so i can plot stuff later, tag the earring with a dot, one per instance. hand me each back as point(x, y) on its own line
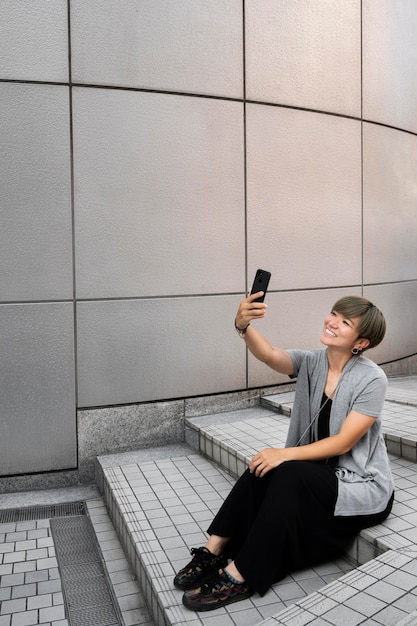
point(356, 350)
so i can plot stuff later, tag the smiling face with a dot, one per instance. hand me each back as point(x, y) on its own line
point(341, 333)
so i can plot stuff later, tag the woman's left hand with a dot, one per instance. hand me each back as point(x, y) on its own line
point(266, 460)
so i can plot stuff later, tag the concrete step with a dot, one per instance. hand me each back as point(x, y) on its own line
point(162, 500)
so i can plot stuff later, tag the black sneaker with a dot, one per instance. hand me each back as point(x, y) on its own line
point(201, 566)
point(215, 593)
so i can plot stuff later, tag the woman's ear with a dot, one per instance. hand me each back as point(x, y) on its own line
point(362, 343)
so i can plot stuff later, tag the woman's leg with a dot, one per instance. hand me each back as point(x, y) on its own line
point(271, 519)
point(216, 545)
point(212, 556)
point(291, 525)
point(238, 512)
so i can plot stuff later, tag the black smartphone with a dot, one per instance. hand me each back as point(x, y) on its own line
point(260, 283)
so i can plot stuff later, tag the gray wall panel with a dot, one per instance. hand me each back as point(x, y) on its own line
point(159, 197)
point(389, 204)
point(34, 40)
point(304, 197)
point(398, 303)
point(139, 350)
point(37, 400)
point(188, 46)
point(305, 54)
point(294, 320)
point(35, 208)
point(389, 62)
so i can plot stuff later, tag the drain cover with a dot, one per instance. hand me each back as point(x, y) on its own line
point(41, 512)
point(87, 593)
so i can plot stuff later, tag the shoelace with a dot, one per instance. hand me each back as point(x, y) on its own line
point(199, 556)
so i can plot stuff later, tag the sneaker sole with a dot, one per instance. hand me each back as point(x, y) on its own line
point(196, 606)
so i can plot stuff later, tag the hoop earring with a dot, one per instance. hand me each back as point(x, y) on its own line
point(356, 351)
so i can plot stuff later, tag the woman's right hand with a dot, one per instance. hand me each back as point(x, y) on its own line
point(250, 310)
point(276, 358)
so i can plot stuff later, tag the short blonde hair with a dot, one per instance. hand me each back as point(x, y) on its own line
point(372, 324)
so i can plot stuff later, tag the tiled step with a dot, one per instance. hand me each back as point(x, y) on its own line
point(231, 439)
point(399, 416)
point(161, 502)
point(280, 402)
point(378, 593)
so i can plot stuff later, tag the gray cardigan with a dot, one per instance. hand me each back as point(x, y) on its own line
point(364, 474)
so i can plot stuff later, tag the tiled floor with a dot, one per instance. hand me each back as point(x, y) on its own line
point(30, 586)
point(30, 583)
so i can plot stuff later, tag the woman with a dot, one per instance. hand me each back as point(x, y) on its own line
point(302, 504)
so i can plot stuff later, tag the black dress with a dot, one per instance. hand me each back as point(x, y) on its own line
point(285, 521)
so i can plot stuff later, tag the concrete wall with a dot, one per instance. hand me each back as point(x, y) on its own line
point(154, 153)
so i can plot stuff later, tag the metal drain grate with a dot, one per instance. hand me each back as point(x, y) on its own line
point(88, 595)
point(8, 516)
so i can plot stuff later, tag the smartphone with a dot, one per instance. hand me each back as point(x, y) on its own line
point(260, 283)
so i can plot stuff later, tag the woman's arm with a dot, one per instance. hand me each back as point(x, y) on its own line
point(258, 345)
point(355, 426)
